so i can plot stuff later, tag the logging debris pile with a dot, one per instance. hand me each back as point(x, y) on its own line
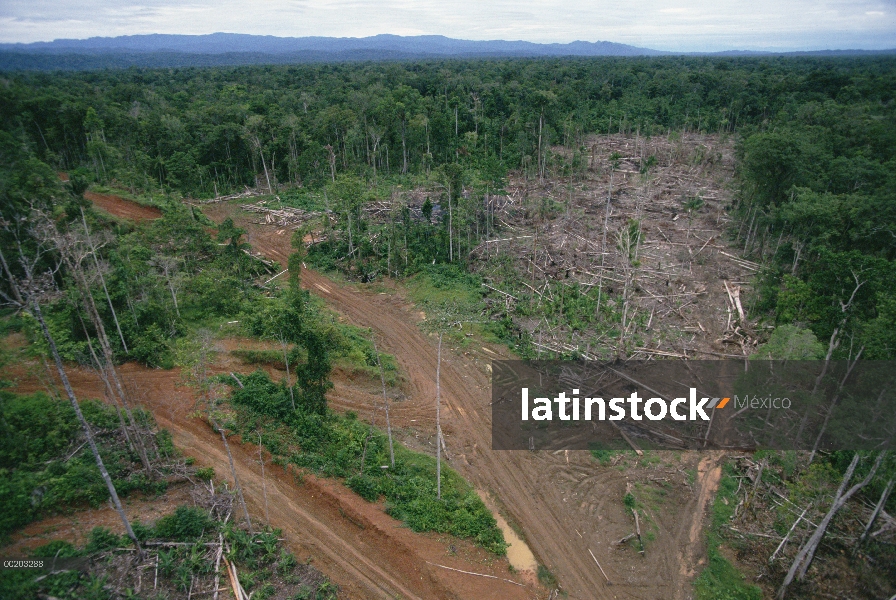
point(658, 257)
point(284, 216)
point(777, 516)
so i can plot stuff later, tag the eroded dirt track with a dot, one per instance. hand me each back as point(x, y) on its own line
point(366, 552)
point(125, 210)
point(565, 505)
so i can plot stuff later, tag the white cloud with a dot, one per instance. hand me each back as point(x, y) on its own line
point(664, 24)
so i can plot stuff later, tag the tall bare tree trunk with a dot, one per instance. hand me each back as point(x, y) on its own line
point(109, 392)
point(876, 513)
point(73, 264)
point(15, 289)
point(404, 149)
point(264, 482)
point(833, 405)
point(236, 481)
point(265, 167)
point(603, 247)
point(112, 373)
point(292, 396)
point(386, 404)
point(807, 553)
point(539, 162)
point(38, 314)
point(450, 229)
point(96, 263)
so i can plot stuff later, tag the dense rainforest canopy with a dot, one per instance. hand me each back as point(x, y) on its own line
point(816, 139)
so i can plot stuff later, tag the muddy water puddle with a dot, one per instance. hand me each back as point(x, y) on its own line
point(518, 553)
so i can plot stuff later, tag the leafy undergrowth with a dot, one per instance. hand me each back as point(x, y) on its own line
point(349, 347)
point(341, 446)
point(180, 554)
point(721, 580)
point(46, 467)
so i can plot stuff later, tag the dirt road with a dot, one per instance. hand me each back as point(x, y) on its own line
point(125, 210)
point(366, 552)
point(564, 504)
point(567, 507)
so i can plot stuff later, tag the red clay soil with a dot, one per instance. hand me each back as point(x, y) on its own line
point(125, 209)
point(118, 206)
point(565, 505)
point(363, 550)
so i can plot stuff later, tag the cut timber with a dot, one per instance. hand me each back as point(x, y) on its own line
point(284, 216)
point(472, 573)
point(787, 537)
point(638, 530)
point(218, 556)
point(598, 565)
point(734, 296)
point(275, 276)
point(628, 440)
point(500, 292)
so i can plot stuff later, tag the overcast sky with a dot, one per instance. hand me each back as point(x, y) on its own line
point(660, 24)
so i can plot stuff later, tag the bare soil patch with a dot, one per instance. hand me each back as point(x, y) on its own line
point(124, 209)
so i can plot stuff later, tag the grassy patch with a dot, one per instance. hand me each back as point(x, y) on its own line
point(721, 580)
point(272, 358)
point(143, 198)
point(545, 577)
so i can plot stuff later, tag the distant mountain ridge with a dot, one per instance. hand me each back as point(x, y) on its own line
point(222, 43)
point(227, 49)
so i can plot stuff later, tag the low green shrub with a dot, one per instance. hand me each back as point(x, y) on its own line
point(331, 445)
point(45, 466)
point(102, 539)
point(186, 524)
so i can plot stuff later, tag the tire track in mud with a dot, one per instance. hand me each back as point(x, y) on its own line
point(363, 550)
point(512, 477)
point(366, 552)
point(525, 483)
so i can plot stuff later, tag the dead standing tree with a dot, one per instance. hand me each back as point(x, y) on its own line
point(438, 423)
point(627, 241)
point(614, 164)
point(379, 365)
point(833, 344)
point(31, 290)
point(99, 272)
point(168, 267)
point(236, 481)
point(195, 362)
point(73, 250)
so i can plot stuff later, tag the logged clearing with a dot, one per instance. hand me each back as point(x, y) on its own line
point(565, 504)
point(567, 507)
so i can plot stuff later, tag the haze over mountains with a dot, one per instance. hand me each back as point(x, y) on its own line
point(164, 50)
